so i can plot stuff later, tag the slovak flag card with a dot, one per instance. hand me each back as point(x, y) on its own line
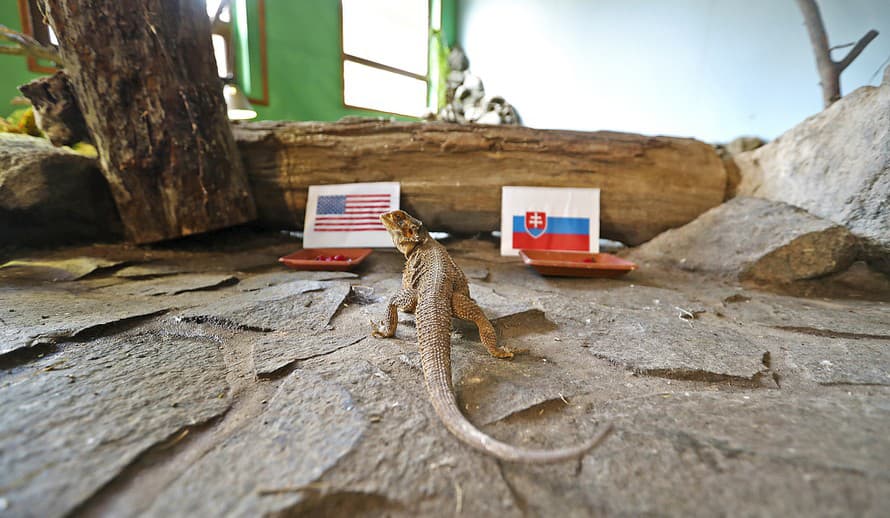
point(348, 215)
point(549, 218)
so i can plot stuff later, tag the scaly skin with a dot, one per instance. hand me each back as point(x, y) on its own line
point(435, 289)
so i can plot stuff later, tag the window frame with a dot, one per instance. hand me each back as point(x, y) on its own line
point(39, 31)
point(226, 31)
point(381, 66)
point(32, 25)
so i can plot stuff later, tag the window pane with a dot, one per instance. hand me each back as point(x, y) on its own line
point(212, 5)
point(375, 89)
point(391, 32)
point(222, 56)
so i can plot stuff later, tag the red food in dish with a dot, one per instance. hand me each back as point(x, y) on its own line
point(329, 258)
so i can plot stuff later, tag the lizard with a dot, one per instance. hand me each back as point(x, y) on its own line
point(435, 289)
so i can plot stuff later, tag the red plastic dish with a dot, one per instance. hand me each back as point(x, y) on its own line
point(305, 259)
point(576, 264)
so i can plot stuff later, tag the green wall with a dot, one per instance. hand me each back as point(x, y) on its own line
point(303, 52)
point(13, 69)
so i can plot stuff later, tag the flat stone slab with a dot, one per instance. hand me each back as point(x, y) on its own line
point(414, 466)
point(38, 316)
point(54, 270)
point(812, 317)
point(171, 285)
point(265, 309)
point(267, 280)
point(267, 467)
point(702, 453)
point(755, 239)
point(666, 345)
point(74, 420)
point(722, 396)
point(841, 361)
point(306, 333)
point(660, 334)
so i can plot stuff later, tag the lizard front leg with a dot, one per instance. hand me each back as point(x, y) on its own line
point(465, 308)
point(404, 299)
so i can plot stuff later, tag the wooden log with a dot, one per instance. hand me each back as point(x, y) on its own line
point(451, 175)
point(56, 110)
point(145, 79)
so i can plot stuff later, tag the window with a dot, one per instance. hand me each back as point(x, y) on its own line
point(225, 36)
point(34, 25)
point(220, 13)
point(241, 25)
point(385, 45)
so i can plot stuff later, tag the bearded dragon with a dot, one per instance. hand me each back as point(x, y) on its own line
point(435, 289)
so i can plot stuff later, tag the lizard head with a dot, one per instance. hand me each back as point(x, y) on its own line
point(407, 232)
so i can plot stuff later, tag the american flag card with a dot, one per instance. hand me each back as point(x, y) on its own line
point(549, 218)
point(348, 215)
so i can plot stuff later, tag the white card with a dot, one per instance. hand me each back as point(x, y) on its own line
point(549, 218)
point(348, 215)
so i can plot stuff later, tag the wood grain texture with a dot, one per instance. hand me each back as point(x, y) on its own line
point(145, 79)
point(451, 175)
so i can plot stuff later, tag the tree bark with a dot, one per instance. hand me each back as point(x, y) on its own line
point(829, 70)
point(145, 79)
point(451, 175)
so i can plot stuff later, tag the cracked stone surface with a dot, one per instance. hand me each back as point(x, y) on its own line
point(266, 309)
point(171, 285)
point(263, 468)
point(267, 396)
point(305, 333)
point(54, 270)
point(49, 315)
point(841, 361)
point(72, 421)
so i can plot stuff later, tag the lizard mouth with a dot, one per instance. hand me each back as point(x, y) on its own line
point(390, 220)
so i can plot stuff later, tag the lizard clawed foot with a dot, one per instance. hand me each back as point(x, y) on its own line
point(505, 352)
point(379, 330)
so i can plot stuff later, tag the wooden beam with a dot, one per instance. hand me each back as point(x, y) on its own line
point(451, 175)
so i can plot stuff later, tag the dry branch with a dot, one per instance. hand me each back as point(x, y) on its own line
point(26, 46)
point(829, 70)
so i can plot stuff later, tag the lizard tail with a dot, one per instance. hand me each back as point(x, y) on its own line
point(435, 362)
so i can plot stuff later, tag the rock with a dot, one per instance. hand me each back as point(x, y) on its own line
point(304, 333)
point(267, 466)
point(44, 316)
point(835, 165)
point(267, 280)
point(266, 309)
point(794, 454)
point(73, 421)
point(832, 360)
point(171, 285)
point(755, 239)
point(739, 145)
point(51, 195)
point(54, 270)
point(668, 343)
